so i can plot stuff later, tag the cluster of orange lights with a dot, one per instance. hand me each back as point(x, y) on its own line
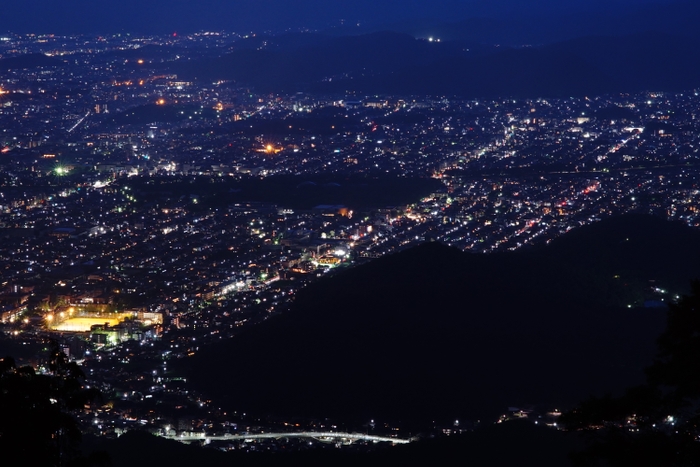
point(129, 82)
point(160, 101)
point(270, 149)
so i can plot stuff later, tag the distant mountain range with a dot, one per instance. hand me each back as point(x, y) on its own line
point(651, 47)
point(398, 64)
point(390, 63)
point(434, 333)
point(540, 27)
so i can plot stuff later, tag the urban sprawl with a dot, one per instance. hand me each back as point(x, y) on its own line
point(126, 238)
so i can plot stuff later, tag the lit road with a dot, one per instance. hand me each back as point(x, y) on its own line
point(79, 122)
point(318, 435)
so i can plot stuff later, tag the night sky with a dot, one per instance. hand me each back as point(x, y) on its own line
point(160, 16)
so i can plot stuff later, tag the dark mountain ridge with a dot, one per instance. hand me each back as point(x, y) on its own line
point(393, 63)
point(435, 333)
point(539, 27)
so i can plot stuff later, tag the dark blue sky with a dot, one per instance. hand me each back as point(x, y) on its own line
point(103, 16)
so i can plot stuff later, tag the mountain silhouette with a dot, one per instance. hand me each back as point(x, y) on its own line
point(398, 64)
point(435, 332)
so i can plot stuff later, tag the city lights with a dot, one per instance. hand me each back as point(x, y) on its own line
point(150, 212)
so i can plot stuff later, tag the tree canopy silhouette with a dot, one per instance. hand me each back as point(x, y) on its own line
point(36, 425)
point(656, 424)
point(675, 368)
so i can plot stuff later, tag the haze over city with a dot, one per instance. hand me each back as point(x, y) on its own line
point(160, 16)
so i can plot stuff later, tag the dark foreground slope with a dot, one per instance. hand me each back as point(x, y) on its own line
point(513, 443)
point(433, 332)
